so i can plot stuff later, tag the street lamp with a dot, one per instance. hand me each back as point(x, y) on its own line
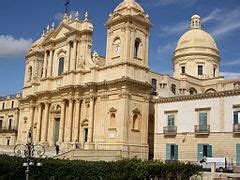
point(29, 151)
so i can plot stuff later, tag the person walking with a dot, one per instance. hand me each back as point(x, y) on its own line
point(57, 149)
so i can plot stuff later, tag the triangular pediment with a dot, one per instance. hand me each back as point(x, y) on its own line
point(60, 32)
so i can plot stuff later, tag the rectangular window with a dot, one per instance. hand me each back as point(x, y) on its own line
point(214, 72)
point(236, 117)
point(200, 70)
point(10, 124)
point(204, 150)
point(154, 84)
point(171, 120)
point(8, 141)
point(60, 66)
point(85, 135)
point(3, 106)
point(202, 120)
point(1, 123)
point(171, 152)
point(183, 70)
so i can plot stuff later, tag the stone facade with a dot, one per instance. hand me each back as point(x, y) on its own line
point(74, 96)
point(9, 117)
point(114, 107)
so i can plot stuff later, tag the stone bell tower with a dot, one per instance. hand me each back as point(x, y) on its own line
point(128, 34)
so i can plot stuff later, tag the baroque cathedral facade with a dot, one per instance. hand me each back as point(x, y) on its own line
point(114, 107)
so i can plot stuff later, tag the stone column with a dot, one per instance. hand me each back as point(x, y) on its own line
point(73, 56)
point(62, 122)
point(39, 122)
point(91, 120)
point(45, 123)
point(76, 121)
point(16, 119)
point(69, 121)
point(49, 72)
point(45, 64)
point(68, 57)
point(31, 114)
point(125, 119)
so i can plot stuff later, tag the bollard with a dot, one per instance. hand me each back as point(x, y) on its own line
point(213, 167)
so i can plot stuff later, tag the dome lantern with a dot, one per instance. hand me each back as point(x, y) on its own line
point(195, 22)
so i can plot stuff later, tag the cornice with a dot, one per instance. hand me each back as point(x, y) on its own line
point(134, 18)
point(125, 63)
point(198, 96)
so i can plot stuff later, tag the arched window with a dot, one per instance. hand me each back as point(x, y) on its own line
point(10, 124)
point(85, 130)
point(154, 84)
point(192, 91)
point(60, 66)
point(173, 88)
point(137, 47)
point(30, 73)
point(113, 120)
point(211, 90)
point(135, 121)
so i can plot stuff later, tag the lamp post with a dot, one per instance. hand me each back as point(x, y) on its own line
point(29, 151)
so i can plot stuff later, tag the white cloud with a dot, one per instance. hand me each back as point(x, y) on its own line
point(228, 22)
point(225, 22)
point(158, 3)
point(230, 75)
point(214, 15)
point(231, 63)
point(174, 29)
point(11, 47)
point(167, 49)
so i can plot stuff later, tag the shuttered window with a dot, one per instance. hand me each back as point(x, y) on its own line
point(204, 150)
point(171, 120)
point(202, 118)
point(171, 152)
point(238, 154)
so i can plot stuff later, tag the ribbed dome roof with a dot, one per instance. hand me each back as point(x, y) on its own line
point(132, 4)
point(196, 37)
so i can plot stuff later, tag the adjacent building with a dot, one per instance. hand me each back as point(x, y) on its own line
point(196, 111)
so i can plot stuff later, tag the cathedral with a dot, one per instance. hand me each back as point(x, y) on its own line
point(113, 107)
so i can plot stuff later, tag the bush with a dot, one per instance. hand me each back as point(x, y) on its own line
point(52, 169)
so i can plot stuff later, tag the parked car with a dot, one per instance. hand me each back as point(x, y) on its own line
point(222, 163)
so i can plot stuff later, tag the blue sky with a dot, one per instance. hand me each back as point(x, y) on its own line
point(22, 23)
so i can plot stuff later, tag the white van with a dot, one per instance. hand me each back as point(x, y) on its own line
point(222, 164)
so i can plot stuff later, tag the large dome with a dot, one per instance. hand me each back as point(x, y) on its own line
point(126, 4)
point(196, 37)
point(196, 53)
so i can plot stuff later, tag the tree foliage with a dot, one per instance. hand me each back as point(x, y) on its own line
point(11, 168)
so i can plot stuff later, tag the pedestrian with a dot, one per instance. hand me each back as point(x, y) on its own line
point(57, 149)
point(76, 144)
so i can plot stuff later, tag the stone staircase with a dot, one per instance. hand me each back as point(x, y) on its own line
point(92, 155)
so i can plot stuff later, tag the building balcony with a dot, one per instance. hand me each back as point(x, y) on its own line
point(170, 130)
point(202, 129)
point(236, 128)
point(8, 130)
